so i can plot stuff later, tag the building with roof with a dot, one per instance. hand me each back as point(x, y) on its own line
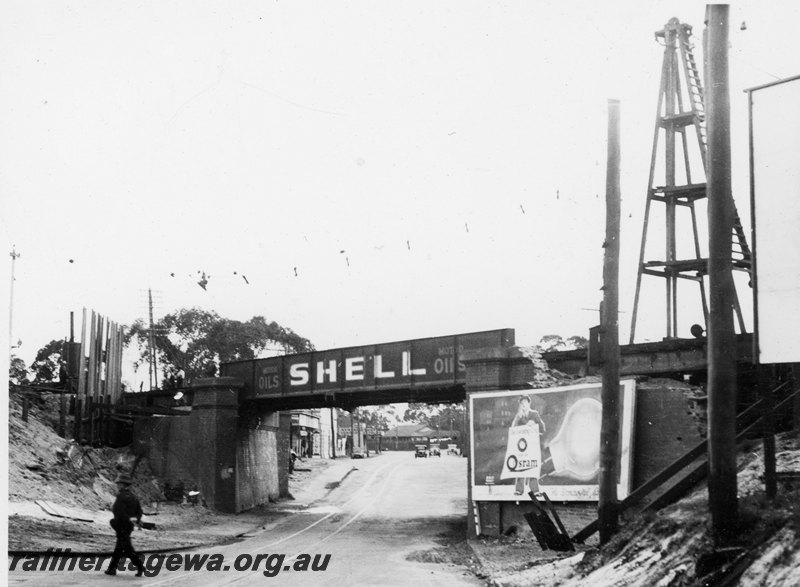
point(406, 436)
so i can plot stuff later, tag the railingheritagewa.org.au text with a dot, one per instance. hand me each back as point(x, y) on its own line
point(269, 564)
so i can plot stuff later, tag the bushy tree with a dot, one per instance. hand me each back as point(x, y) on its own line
point(443, 418)
point(48, 362)
point(555, 342)
point(195, 340)
point(577, 342)
point(17, 371)
point(377, 418)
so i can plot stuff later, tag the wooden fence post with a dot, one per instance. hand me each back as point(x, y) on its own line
point(78, 419)
point(62, 417)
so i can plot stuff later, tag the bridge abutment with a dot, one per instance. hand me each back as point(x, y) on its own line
point(214, 422)
point(235, 453)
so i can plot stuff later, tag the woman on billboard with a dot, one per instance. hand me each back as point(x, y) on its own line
point(530, 418)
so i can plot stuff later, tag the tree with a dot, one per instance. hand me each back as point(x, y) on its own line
point(555, 342)
point(17, 371)
point(377, 418)
point(48, 362)
point(195, 340)
point(551, 342)
point(418, 413)
point(443, 418)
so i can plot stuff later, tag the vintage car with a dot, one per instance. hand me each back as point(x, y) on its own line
point(420, 451)
point(434, 451)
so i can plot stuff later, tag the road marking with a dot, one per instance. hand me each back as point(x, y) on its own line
point(326, 509)
point(343, 526)
point(361, 490)
point(358, 515)
point(357, 494)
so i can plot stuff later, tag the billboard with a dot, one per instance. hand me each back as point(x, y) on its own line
point(775, 201)
point(544, 440)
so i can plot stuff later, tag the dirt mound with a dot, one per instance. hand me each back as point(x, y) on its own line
point(45, 466)
point(674, 546)
point(452, 549)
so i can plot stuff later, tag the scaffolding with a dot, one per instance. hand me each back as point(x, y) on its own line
point(680, 113)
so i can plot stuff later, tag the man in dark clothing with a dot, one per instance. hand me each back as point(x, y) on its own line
point(125, 507)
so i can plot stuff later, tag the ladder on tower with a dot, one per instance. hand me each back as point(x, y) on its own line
point(680, 82)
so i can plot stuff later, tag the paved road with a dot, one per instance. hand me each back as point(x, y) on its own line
point(392, 506)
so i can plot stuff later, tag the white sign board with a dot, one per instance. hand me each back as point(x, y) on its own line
point(523, 453)
point(775, 118)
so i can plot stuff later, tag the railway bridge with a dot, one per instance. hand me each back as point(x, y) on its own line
point(233, 444)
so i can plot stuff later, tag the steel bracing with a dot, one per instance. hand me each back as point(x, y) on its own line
point(681, 113)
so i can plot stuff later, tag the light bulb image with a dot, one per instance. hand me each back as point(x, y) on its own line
point(575, 449)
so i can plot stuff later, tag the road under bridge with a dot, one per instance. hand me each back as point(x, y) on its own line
point(233, 442)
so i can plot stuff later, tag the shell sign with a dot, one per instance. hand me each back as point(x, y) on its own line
point(420, 363)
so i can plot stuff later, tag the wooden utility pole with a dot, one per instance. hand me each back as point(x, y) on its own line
point(607, 508)
point(333, 435)
point(63, 382)
point(14, 256)
point(766, 379)
point(80, 396)
point(721, 340)
point(352, 432)
point(152, 339)
point(358, 421)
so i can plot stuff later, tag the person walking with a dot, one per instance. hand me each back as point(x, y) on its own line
point(125, 507)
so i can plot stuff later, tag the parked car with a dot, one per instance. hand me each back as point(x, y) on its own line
point(435, 452)
point(358, 454)
point(421, 451)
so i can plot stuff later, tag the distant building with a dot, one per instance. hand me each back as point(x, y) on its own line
point(406, 436)
point(305, 433)
point(351, 434)
point(313, 433)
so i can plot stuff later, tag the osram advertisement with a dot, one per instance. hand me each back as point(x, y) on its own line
point(523, 454)
point(544, 440)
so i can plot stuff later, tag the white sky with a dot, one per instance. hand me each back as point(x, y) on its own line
point(140, 139)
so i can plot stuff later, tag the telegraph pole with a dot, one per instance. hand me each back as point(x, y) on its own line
point(607, 507)
point(352, 432)
point(14, 256)
point(721, 340)
point(358, 421)
point(333, 435)
point(152, 338)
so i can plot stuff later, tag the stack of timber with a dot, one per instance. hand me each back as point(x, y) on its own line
point(99, 376)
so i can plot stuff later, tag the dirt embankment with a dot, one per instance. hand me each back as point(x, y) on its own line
point(45, 466)
point(674, 546)
point(80, 482)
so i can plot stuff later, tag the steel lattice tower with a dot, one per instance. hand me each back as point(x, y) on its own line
point(681, 113)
